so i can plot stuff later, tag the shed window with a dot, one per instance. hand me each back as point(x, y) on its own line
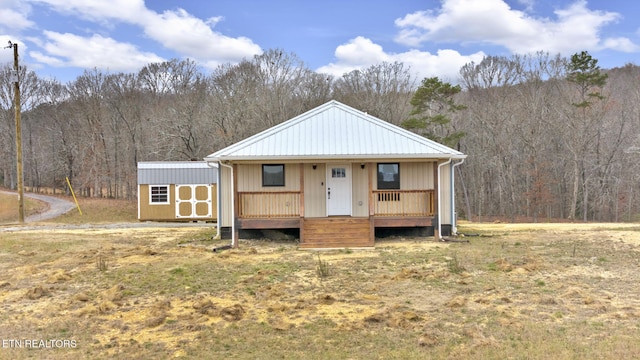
point(273, 175)
point(388, 176)
point(159, 194)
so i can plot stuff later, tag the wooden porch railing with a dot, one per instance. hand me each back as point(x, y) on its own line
point(403, 202)
point(269, 204)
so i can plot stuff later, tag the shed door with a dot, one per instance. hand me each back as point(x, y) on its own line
point(193, 201)
point(338, 189)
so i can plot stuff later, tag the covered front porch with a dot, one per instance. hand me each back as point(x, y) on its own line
point(285, 210)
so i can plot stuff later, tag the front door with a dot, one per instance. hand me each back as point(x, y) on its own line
point(338, 189)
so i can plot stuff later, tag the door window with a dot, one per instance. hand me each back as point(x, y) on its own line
point(338, 172)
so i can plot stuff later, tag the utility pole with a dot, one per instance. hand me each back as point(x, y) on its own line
point(16, 81)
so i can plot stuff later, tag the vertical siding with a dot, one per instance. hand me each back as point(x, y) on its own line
point(214, 202)
point(445, 196)
point(360, 189)
point(225, 191)
point(413, 175)
point(315, 202)
point(250, 178)
point(416, 175)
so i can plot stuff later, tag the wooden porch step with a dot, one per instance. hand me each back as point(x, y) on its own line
point(336, 232)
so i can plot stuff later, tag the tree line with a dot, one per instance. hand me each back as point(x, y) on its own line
point(546, 136)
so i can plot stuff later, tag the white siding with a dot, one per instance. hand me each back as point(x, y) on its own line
point(315, 200)
point(360, 190)
point(225, 198)
point(250, 178)
point(444, 194)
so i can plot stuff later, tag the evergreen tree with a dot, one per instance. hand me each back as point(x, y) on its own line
point(433, 103)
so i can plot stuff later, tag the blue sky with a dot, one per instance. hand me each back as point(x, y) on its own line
point(62, 38)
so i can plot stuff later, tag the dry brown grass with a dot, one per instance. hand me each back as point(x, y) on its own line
point(520, 292)
point(97, 211)
point(9, 208)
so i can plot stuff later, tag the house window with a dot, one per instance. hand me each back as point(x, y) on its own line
point(273, 175)
point(388, 176)
point(159, 194)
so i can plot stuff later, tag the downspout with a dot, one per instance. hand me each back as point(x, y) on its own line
point(233, 206)
point(454, 228)
point(440, 200)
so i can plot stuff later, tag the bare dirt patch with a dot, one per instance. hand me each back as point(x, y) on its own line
point(564, 289)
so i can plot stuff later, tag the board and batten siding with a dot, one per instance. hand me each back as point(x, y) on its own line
point(225, 196)
point(445, 195)
point(315, 193)
point(360, 190)
point(413, 175)
point(250, 178)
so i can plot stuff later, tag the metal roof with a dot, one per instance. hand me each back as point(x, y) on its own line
point(173, 165)
point(334, 130)
point(176, 172)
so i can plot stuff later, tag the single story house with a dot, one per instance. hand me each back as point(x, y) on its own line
point(337, 174)
point(177, 191)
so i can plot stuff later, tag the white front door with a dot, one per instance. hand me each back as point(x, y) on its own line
point(338, 189)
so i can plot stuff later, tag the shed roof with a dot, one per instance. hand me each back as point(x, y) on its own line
point(334, 130)
point(176, 172)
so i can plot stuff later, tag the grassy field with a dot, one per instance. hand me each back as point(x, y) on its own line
point(515, 291)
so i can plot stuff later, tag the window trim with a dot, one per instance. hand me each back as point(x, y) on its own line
point(274, 185)
point(151, 195)
point(378, 182)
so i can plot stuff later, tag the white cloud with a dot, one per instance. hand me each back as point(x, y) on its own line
point(190, 36)
point(620, 44)
point(176, 30)
point(89, 52)
point(486, 23)
point(355, 54)
point(14, 15)
point(493, 22)
point(123, 10)
point(361, 52)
